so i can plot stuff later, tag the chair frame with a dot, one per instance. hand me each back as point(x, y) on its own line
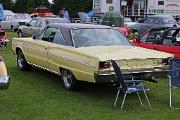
point(134, 82)
point(170, 89)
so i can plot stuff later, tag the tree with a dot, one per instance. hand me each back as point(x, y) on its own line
point(73, 6)
point(28, 6)
point(7, 4)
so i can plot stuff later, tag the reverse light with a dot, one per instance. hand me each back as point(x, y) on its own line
point(104, 65)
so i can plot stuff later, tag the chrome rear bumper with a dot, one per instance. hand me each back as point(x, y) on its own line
point(110, 76)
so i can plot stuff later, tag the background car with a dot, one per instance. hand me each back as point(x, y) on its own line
point(41, 12)
point(153, 21)
point(36, 25)
point(14, 20)
point(128, 22)
point(161, 39)
point(82, 52)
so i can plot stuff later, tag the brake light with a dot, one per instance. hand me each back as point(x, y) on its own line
point(104, 65)
point(165, 61)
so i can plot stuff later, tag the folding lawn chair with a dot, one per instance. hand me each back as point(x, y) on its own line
point(124, 86)
point(174, 78)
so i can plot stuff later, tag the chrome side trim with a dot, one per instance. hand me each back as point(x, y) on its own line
point(73, 60)
point(43, 68)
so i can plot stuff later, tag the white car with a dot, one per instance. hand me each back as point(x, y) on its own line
point(128, 22)
point(12, 21)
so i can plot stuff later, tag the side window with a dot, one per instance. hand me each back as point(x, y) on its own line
point(149, 20)
point(144, 38)
point(38, 23)
point(58, 38)
point(49, 34)
point(33, 22)
point(154, 37)
point(161, 2)
point(156, 21)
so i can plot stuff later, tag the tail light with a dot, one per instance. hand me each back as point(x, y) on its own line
point(104, 65)
point(165, 61)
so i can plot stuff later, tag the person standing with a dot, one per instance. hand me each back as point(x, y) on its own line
point(66, 14)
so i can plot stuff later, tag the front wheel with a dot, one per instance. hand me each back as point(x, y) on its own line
point(69, 81)
point(21, 62)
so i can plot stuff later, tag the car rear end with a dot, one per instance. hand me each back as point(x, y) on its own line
point(138, 68)
point(4, 78)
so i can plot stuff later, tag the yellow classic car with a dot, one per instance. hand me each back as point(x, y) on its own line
point(4, 78)
point(82, 52)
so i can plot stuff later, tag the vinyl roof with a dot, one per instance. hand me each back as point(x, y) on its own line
point(76, 25)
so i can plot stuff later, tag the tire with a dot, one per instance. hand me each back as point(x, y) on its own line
point(20, 34)
point(69, 81)
point(21, 62)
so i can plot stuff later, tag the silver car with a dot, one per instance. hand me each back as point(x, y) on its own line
point(12, 21)
point(36, 25)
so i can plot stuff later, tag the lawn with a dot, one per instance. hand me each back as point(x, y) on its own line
point(39, 95)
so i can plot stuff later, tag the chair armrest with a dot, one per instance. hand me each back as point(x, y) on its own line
point(133, 81)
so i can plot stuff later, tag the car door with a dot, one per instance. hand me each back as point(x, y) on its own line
point(56, 50)
point(6, 23)
point(37, 52)
point(38, 27)
point(28, 29)
point(150, 40)
point(171, 43)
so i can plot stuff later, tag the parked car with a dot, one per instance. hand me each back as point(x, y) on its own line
point(41, 12)
point(83, 52)
point(36, 25)
point(128, 22)
point(162, 39)
point(153, 21)
point(14, 20)
point(3, 37)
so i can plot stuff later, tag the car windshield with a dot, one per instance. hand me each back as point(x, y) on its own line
point(49, 21)
point(98, 37)
point(23, 16)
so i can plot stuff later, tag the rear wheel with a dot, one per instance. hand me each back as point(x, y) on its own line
point(21, 62)
point(69, 81)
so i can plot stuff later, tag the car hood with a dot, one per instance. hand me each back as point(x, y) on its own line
point(122, 52)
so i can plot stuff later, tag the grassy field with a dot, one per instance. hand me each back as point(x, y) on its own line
point(39, 95)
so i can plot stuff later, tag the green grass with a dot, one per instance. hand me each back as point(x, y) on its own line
point(39, 95)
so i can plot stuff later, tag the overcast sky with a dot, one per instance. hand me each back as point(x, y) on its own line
point(50, 1)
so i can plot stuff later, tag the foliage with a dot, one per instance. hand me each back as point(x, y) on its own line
point(72, 6)
point(28, 6)
point(7, 4)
